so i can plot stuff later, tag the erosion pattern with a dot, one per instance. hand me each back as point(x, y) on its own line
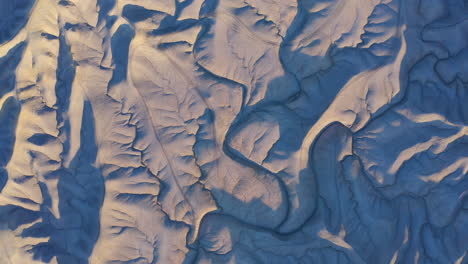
point(233, 131)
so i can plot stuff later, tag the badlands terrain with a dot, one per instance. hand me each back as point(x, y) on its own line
point(233, 131)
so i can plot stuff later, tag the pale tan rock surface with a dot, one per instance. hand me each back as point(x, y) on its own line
point(233, 131)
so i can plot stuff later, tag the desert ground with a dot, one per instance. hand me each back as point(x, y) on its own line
point(233, 131)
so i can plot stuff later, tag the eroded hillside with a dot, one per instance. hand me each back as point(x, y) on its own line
point(233, 131)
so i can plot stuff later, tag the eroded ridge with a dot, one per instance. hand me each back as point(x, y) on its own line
point(233, 131)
